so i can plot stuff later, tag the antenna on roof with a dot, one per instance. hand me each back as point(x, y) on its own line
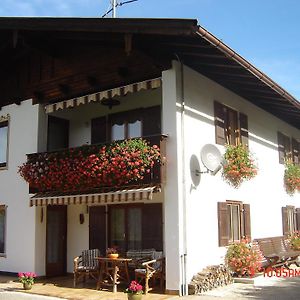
point(114, 4)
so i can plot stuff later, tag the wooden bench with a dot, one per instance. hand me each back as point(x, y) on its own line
point(277, 251)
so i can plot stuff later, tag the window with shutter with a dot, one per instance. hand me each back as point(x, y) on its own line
point(288, 149)
point(231, 127)
point(233, 222)
point(289, 219)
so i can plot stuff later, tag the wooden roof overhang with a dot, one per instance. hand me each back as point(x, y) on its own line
point(97, 54)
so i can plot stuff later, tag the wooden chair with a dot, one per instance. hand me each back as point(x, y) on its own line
point(86, 265)
point(152, 270)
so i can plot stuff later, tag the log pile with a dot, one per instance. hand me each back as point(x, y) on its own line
point(209, 278)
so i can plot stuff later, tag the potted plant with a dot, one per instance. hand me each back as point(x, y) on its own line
point(90, 167)
point(291, 178)
point(243, 258)
point(239, 165)
point(112, 252)
point(294, 240)
point(134, 291)
point(27, 279)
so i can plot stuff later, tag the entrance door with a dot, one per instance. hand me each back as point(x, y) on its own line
point(125, 227)
point(97, 228)
point(56, 240)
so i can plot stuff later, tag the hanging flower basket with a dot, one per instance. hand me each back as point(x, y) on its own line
point(291, 178)
point(239, 165)
point(90, 167)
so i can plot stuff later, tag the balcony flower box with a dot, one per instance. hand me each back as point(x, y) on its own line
point(90, 167)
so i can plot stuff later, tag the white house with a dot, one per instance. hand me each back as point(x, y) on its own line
point(176, 84)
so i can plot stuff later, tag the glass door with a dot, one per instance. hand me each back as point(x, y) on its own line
point(125, 227)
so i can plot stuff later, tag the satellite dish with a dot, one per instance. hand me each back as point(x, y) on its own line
point(211, 158)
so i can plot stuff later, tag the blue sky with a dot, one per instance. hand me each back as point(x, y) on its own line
point(265, 32)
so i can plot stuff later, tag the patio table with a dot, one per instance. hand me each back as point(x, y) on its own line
point(109, 272)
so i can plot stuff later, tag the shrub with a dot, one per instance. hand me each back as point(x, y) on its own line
point(243, 258)
point(294, 240)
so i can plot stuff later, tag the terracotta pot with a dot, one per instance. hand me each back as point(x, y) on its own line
point(27, 286)
point(134, 296)
point(113, 255)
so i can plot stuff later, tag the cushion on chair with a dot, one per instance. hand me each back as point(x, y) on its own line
point(89, 260)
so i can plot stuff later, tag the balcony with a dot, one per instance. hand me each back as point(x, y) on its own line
point(117, 165)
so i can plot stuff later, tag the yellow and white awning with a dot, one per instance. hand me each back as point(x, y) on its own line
point(99, 96)
point(119, 196)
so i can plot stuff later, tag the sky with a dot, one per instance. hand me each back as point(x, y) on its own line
point(265, 32)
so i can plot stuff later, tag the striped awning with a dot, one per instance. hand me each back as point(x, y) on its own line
point(99, 96)
point(119, 196)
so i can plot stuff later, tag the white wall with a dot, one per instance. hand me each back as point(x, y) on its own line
point(265, 193)
point(20, 220)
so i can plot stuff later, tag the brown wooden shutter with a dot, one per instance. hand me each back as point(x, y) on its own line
point(285, 226)
point(223, 224)
point(219, 123)
point(151, 121)
point(99, 130)
point(281, 140)
point(244, 129)
point(298, 219)
point(247, 221)
point(152, 226)
point(97, 228)
point(295, 151)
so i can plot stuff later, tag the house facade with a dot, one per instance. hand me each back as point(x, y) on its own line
point(175, 85)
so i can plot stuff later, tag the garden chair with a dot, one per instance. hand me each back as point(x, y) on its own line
point(86, 265)
point(152, 270)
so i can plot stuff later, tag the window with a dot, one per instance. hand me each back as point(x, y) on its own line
point(126, 125)
point(141, 122)
point(233, 221)
point(290, 219)
point(288, 149)
point(2, 228)
point(3, 143)
point(231, 126)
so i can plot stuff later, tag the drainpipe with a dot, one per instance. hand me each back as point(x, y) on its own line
point(183, 257)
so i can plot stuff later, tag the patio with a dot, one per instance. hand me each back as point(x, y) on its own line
point(62, 287)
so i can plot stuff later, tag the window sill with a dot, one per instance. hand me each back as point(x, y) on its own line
point(3, 255)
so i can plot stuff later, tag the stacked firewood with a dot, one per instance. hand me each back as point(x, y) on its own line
point(209, 278)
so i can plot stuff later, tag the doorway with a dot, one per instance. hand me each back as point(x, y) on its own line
point(56, 240)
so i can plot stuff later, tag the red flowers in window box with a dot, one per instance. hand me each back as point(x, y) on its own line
point(239, 165)
point(90, 167)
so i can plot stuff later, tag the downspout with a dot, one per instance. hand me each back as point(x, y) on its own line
point(183, 256)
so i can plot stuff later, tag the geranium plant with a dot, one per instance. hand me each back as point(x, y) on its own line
point(291, 178)
point(112, 250)
point(243, 258)
point(239, 165)
point(134, 288)
point(89, 167)
point(27, 277)
point(294, 240)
